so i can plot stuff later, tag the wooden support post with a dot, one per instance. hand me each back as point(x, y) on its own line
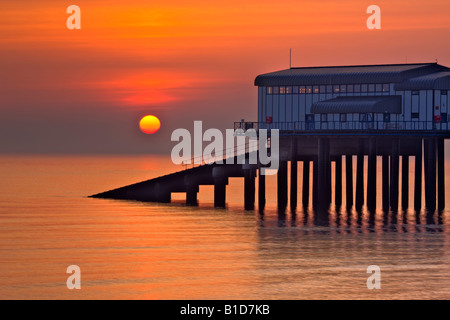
point(294, 169)
point(418, 178)
point(261, 190)
point(349, 180)
point(249, 189)
point(191, 194)
point(372, 175)
point(305, 191)
point(394, 175)
point(405, 181)
point(315, 182)
point(430, 175)
point(282, 185)
point(338, 182)
point(359, 201)
point(441, 174)
point(321, 174)
point(385, 182)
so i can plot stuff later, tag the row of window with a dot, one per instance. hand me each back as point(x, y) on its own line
point(416, 92)
point(339, 88)
point(363, 117)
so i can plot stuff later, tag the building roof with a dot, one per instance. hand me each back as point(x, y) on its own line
point(436, 81)
point(367, 104)
point(392, 73)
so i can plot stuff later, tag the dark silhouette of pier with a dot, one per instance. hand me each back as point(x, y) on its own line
point(320, 149)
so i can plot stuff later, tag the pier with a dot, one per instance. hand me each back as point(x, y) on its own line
point(327, 116)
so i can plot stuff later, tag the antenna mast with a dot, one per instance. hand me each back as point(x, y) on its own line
point(290, 58)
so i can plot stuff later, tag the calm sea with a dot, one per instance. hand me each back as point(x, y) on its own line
point(132, 250)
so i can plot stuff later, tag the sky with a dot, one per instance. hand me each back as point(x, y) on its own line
point(84, 91)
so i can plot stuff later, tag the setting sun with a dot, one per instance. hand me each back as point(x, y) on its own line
point(149, 124)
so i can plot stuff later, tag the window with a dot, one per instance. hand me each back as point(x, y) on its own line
point(323, 117)
point(282, 90)
point(329, 89)
point(378, 88)
point(371, 88)
point(316, 89)
point(343, 117)
point(336, 88)
point(302, 89)
point(386, 87)
point(364, 88)
point(276, 90)
point(308, 89)
point(386, 117)
point(269, 90)
point(323, 89)
point(288, 90)
point(343, 88)
point(365, 117)
point(309, 118)
point(444, 92)
point(295, 89)
point(357, 88)
point(415, 115)
point(415, 92)
point(350, 88)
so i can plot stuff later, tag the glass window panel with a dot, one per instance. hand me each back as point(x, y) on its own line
point(269, 90)
point(364, 88)
point(357, 88)
point(323, 89)
point(336, 88)
point(378, 87)
point(350, 88)
point(276, 90)
point(371, 88)
point(343, 88)
point(308, 89)
point(316, 89)
point(386, 87)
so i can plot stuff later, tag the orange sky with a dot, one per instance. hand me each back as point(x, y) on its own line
point(85, 90)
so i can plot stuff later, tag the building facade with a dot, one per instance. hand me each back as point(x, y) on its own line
point(380, 97)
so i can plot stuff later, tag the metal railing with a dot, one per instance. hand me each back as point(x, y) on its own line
point(222, 155)
point(299, 127)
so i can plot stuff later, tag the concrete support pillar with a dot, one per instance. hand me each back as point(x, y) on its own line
point(338, 182)
point(327, 171)
point(315, 182)
point(349, 180)
point(220, 183)
point(294, 169)
point(359, 201)
point(372, 175)
point(430, 174)
point(261, 190)
point(405, 181)
point(441, 174)
point(323, 175)
point(418, 178)
point(282, 185)
point(305, 191)
point(249, 189)
point(191, 194)
point(394, 175)
point(385, 182)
